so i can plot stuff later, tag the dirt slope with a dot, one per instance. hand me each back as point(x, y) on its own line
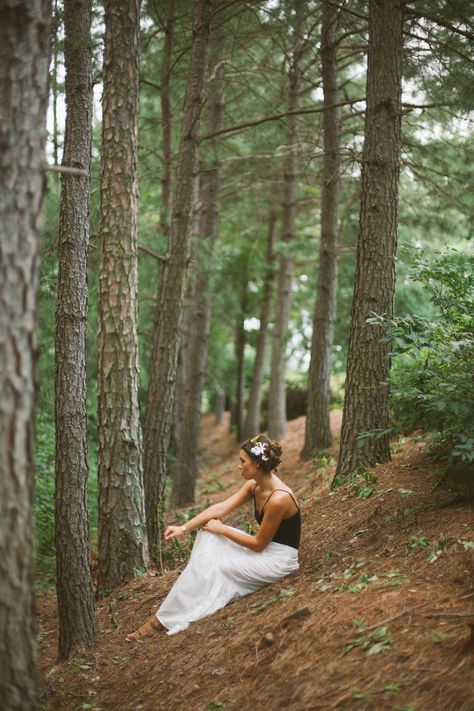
point(378, 617)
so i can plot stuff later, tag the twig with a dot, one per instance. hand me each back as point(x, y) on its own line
point(448, 614)
point(65, 169)
point(394, 617)
point(152, 253)
point(148, 600)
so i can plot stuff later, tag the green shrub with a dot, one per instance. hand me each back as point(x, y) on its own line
point(432, 384)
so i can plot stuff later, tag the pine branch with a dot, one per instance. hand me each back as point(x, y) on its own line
point(277, 117)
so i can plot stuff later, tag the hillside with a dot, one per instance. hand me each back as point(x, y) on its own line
point(378, 617)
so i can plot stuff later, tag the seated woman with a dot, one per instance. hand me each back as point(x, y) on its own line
point(226, 563)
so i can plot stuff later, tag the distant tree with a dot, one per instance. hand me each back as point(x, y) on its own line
point(166, 338)
point(240, 339)
point(123, 547)
point(252, 417)
point(24, 54)
point(77, 623)
point(318, 429)
point(277, 388)
point(185, 467)
point(366, 393)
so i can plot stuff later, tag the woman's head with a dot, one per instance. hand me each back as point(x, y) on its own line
point(265, 452)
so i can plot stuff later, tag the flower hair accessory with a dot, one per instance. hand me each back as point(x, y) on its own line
point(259, 449)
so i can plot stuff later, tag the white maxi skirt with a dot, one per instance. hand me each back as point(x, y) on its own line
point(219, 571)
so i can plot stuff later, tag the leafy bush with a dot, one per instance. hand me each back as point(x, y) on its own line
point(432, 384)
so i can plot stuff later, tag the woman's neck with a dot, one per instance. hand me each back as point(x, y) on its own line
point(267, 482)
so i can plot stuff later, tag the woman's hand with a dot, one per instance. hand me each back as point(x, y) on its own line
point(173, 532)
point(214, 525)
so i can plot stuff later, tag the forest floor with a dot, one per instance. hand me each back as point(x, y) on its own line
point(379, 616)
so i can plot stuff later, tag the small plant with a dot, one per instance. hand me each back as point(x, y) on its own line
point(377, 641)
point(438, 550)
point(361, 695)
point(284, 594)
point(419, 541)
point(362, 484)
point(405, 492)
point(81, 663)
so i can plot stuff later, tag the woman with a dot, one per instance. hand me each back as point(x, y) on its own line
point(226, 563)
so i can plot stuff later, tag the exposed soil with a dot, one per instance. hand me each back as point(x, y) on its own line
point(379, 616)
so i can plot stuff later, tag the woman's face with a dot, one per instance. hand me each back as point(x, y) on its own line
point(248, 467)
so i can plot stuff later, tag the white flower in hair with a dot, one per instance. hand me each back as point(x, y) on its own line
point(259, 451)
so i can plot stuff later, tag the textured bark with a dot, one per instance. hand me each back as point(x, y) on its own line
point(366, 398)
point(188, 314)
point(219, 406)
point(24, 48)
point(74, 589)
point(252, 419)
point(170, 310)
point(185, 467)
point(318, 429)
point(166, 117)
point(122, 538)
point(239, 348)
point(277, 388)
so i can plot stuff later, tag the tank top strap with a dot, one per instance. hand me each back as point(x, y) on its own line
point(286, 492)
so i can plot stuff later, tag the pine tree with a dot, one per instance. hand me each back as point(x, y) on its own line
point(366, 394)
point(123, 547)
point(167, 334)
point(24, 54)
point(77, 623)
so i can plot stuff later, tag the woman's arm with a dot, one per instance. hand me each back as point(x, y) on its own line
point(275, 511)
point(216, 511)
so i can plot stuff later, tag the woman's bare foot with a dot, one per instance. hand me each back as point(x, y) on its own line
point(151, 627)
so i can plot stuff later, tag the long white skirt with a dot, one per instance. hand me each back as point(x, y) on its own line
point(219, 571)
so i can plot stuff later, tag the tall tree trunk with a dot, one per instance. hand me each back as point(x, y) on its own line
point(366, 398)
point(184, 361)
point(252, 419)
point(185, 468)
point(239, 347)
point(318, 428)
point(55, 25)
point(168, 323)
point(74, 588)
point(277, 388)
point(122, 539)
point(24, 49)
point(166, 117)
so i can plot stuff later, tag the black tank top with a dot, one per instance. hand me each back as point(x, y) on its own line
point(289, 530)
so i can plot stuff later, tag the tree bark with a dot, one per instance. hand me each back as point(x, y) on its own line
point(252, 419)
point(24, 50)
point(74, 588)
point(123, 547)
point(277, 388)
point(185, 467)
point(366, 398)
point(166, 117)
point(318, 428)
point(170, 310)
point(239, 347)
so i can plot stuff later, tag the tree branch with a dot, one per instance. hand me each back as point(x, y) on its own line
point(152, 253)
point(277, 117)
point(66, 170)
